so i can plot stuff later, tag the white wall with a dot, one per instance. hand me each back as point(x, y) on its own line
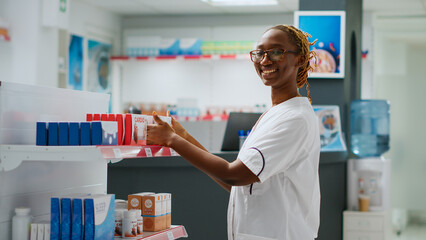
point(400, 76)
point(32, 55)
point(212, 82)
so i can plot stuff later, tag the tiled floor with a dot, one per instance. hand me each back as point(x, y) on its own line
point(412, 232)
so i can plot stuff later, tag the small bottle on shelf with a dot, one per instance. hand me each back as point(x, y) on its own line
point(21, 224)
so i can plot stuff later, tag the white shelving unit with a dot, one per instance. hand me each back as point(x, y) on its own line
point(30, 175)
point(11, 156)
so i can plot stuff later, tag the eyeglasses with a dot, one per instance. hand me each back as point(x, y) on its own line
point(274, 54)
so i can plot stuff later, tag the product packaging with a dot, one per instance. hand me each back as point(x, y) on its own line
point(46, 231)
point(135, 200)
point(55, 218)
point(77, 223)
point(41, 134)
point(153, 220)
point(139, 221)
point(33, 231)
point(111, 117)
point(40, 230)
point(89, 117)
point(65, 218)
point(135, 128)
point(99, 217)
point(118, 229)
point(52, 139)
point(96, 117)
point(104, 133)
point(63, 134)
point(85, 133)
point(120, 128)
point(129, 225)
point(74, 134)
point(104, 117)
point(168, 206)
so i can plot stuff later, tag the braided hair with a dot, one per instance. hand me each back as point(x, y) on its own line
point(300, 39)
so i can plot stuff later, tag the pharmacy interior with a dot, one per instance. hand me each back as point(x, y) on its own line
point(93, 72)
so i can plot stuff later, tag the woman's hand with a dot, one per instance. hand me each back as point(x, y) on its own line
point(177, 127)
point(160, 133)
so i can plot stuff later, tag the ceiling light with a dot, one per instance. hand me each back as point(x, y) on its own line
point(241, 2)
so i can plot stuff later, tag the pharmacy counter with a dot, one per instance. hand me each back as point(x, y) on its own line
point(199, 203)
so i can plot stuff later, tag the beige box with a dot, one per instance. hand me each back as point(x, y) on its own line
point(135, 200)
point(152, 210)
point(168, 207)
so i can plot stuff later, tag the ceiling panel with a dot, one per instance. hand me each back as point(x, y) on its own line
point(181, 7)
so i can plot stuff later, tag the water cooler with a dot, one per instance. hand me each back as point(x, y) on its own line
point(369, 173)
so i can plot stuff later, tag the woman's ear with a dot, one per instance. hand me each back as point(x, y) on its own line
point(301, 61)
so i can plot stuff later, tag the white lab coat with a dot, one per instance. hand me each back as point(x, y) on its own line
point(283, 151)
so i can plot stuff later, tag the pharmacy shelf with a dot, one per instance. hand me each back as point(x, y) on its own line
point(11, 156)
point(182, 57)
point(174, 232)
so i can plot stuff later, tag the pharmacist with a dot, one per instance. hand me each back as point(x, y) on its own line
point(274, 181)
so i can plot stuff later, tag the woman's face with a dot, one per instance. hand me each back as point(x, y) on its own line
point(279, 74)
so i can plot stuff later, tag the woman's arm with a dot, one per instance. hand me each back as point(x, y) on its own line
point(180, 130)
point(232, 174)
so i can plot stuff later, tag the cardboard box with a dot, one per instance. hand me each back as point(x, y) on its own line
point(55, 218)
point(104, 133)
point(99, 219)
point(40, 231)
point(65, 218)
point(63, 134)
point(85, 134)
point(135, 200)
point(120, 128)
point(74, 134)
point(52, 129)
point(46, 231)
point(33, 231)
point(41, 134)
point(168, 206)
point(135, 128)
point(152, 209)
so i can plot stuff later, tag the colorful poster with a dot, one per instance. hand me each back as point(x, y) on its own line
point(75, 62)
point(330, 128)
point(98, 72)
point(328, 28)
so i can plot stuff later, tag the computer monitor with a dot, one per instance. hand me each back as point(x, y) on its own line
point(237, 121)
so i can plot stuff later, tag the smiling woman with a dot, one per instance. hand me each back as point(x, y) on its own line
point(274, 181)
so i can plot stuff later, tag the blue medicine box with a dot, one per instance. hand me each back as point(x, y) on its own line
point(85, 133)
point(53, 131)
point(63, 134)
point(41, 134)
point(74, 134)
point(99, 219)
point(65, 218)
point(104, 133)
point(55, 218)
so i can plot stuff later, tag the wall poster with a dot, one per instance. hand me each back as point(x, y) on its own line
point(328, 27)
point(330, 128)
point(75, 62)
point(98, 71)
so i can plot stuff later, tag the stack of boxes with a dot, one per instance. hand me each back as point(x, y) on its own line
point(82, 216)
point(156, 209)
point(99, 129)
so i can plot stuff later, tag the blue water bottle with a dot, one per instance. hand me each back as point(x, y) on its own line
point(369, 127)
